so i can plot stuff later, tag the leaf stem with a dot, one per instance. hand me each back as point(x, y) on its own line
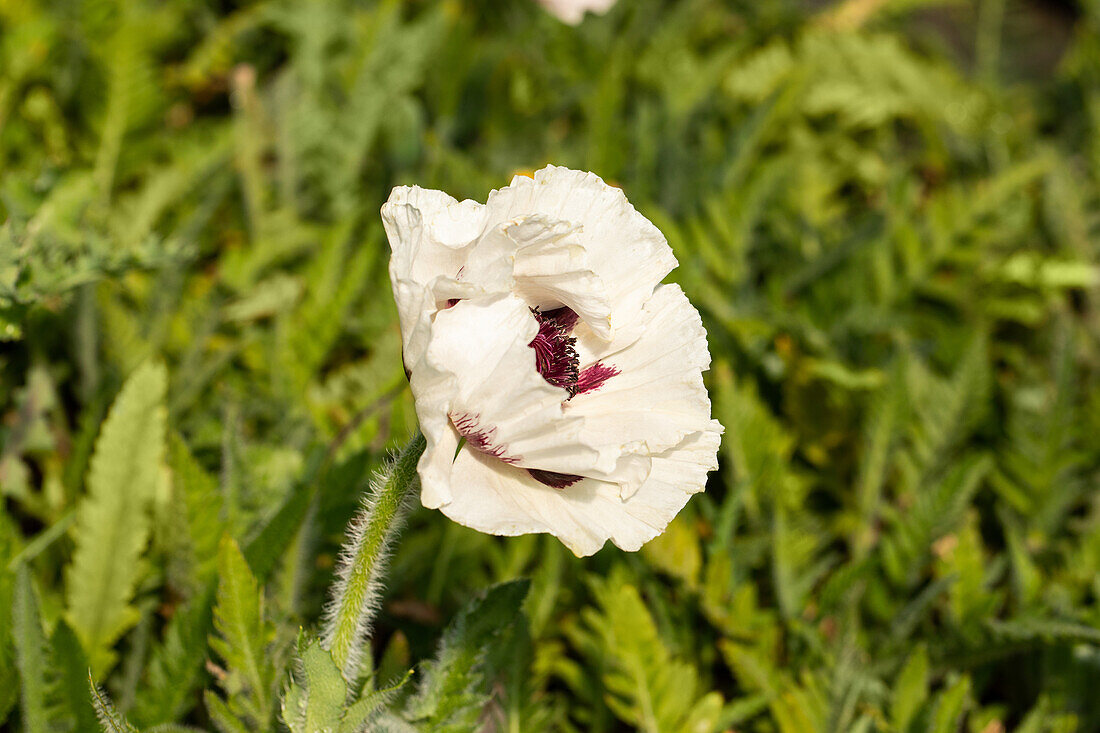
point(363, 559)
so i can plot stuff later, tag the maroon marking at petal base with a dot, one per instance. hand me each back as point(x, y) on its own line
point(480, 438)
point(452, 302)
point(555, 354)
point(593, 377)
point(554, 479)
point(563, 318)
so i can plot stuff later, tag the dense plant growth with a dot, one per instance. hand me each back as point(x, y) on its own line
point(887, 213)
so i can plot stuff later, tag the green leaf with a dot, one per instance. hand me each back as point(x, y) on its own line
point(880, 433)
point(315, 701)
point(1026, 578)
point(202, 503)
point(110, 719)
point(793, 707)
point(938, 509)
point(243, 636)
point(910, 690)
point(948, 410)
point(919, 607)
point(799, 560)
point(1045, 630)
point(961, 558)
point(949, 706)
point(372, 707)
point(176, 666)
point(757, 445)
point(454, 686)
point(70, 685)
point(267, 545)
point(112, 523)
point(224, 719)
point(647, 687)
point(9, 670)
point(676, 551)
point(30, 654)
point(174, 669)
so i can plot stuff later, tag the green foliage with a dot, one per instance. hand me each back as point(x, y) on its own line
point(910, 690)
point(126, 472)
point(110, 720)
point(886, 213)
point(30, 648)
point(645, 686)
point(319, 699)
point(242, 642)
point(174, 668)
point(198, 503)
point(317, 702)
point(454, 685)
point(71, 682)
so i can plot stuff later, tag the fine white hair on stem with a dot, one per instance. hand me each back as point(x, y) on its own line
point(110, 719)
point(357, 591)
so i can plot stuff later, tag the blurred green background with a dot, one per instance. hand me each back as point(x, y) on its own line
point(888, 214)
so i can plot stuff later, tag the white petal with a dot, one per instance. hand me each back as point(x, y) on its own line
point(415, 307)
point(432, 391)
point(493, 497)
point(677, 473)
point(458, 224)
point(623, 248)
point(483, 344)
point(434, 466)
point(540, 259)
point(657, 397)
point(572, 11)
point(429, 234)
point(552, 270)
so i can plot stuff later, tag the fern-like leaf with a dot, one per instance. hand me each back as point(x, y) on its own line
point(202, 503)
point(110, 719)
point(938, 509)
point(317, 697)
point(70, 681)
point(30, 654)
point(242, 639)
point(175, 665)
point(647, 686)
point(112, 522)
point(454, 686)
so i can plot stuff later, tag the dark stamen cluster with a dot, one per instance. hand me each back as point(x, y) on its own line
point(557, 361)
point(555, 349)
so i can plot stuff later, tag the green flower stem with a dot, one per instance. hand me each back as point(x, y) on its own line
point(363, 559)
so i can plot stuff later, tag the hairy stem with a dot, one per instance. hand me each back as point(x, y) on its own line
point(363, 559)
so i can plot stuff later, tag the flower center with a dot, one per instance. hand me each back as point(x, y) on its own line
point(556, 356)
point(555, 351)
point(557, 361)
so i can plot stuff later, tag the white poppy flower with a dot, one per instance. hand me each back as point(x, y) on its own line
point(558, 384)
point(572, 11)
